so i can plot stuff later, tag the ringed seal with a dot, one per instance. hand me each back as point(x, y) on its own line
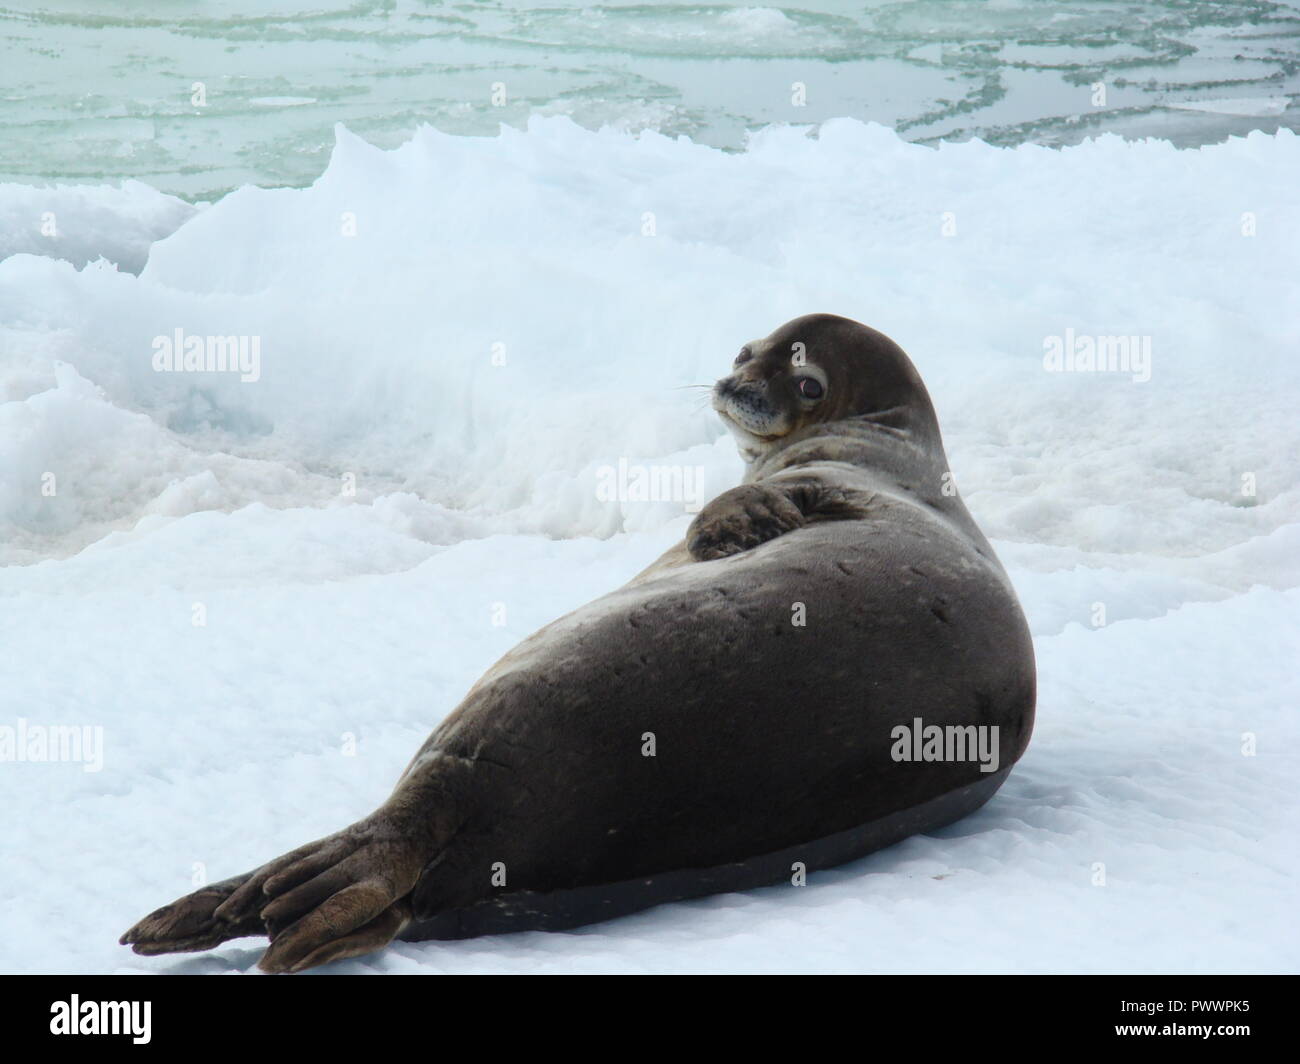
point(776, 744)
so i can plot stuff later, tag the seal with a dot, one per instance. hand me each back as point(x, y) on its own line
point(804, 679)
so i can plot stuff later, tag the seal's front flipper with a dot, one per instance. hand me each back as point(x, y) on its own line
point(740, 519)
point(191, 923)
point(746, 516)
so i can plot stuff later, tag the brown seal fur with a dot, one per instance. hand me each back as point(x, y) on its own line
point(536, 803)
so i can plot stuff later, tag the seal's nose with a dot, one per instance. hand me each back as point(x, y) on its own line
point(740, 386)
point(751, 374)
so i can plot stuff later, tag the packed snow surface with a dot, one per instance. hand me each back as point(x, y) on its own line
point(262, 593)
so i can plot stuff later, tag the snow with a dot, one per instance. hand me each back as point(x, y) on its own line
point(516, 314)
point(80, 223)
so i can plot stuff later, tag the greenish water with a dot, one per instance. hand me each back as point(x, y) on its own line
point(92, 92)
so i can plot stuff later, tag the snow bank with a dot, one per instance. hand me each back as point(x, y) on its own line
point(500, 325)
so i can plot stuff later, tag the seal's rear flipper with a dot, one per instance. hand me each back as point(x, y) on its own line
point(309, 942)
point(213, 914)
point(190, 923)
point(340, 896)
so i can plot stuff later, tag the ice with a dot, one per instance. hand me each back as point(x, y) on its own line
point(410, 486)
point(1237, 105)
point(82, 223)
point(240, 92)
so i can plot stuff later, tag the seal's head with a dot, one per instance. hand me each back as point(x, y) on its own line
point(817, 370)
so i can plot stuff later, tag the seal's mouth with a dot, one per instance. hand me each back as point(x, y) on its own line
point(739, 429)
point(745, 410)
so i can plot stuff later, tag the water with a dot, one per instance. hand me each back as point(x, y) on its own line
point(88, 96)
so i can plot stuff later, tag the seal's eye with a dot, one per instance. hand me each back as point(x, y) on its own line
point(810, 388)
point(745, 355)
